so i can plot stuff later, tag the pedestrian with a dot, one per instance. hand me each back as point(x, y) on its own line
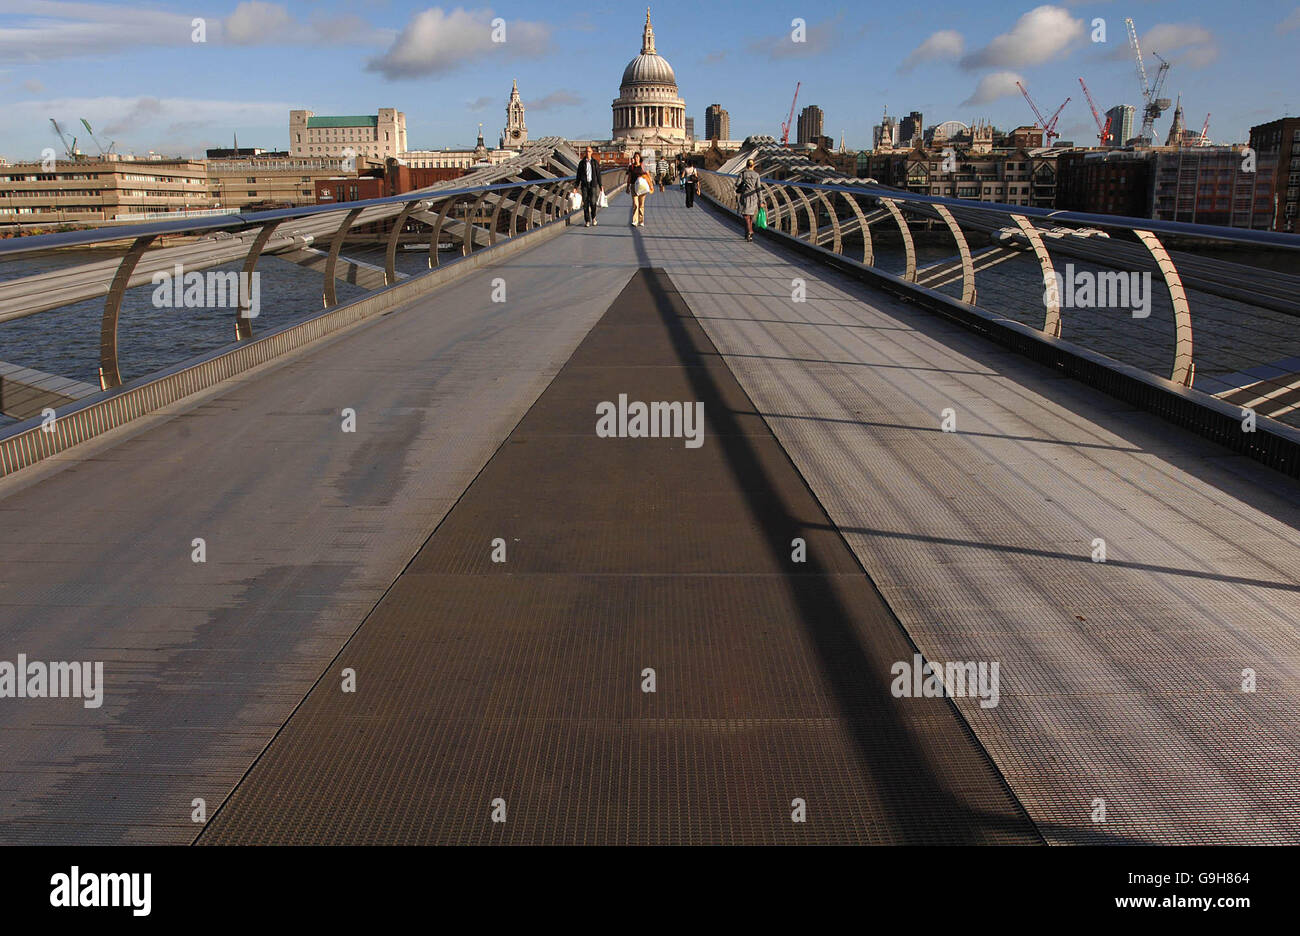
point(747, 187)
point(588, 184)
point(691, 181)
point(640, 185)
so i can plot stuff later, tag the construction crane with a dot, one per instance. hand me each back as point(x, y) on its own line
point(1103, 132)
point(1048, 126)
point(1153, 105)
point(1205, 131)
point(102, 152)
point(785, 127)
point(69, 144)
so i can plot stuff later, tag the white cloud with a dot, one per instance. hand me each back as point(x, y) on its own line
point(1291, 23)
point(554, 101)
point(818, 39)
point(257, 22)
point(1181, 43)
point(993, 87)
point(168, 124)
point(42, 30)
point(1038, 36)
point(437, 42)
point(254, 22)
point(51, 29)
point(33, 86)
point(944, 46)
point(1185, 43)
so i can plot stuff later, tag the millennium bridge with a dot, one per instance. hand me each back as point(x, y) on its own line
point(880, 529)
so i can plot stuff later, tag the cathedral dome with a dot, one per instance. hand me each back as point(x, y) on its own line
point(649, 68)
point(648, 110)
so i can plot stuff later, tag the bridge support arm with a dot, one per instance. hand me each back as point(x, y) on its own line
point(967, 264)
point(109, 375)
point(1051, 292)
point(467, 231)
point(244, 319)
point(868, 254)
point(434, 259)
point(909, 271)
point(336, 246)
point(1184, 371)
point(837, 242)
point(390, 255)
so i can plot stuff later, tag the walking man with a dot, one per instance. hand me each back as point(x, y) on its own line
point(589, 185)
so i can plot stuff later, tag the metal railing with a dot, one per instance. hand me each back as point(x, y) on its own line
point(247, 236)
point(804, 210)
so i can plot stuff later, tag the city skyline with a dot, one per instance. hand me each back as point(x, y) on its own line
point(440, 67)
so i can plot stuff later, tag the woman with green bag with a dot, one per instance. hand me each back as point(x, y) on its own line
point(747, 195)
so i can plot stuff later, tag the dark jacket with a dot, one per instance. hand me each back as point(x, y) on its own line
point(582, 173)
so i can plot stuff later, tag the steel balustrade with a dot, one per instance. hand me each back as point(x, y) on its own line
point(896, 202)
point(549, 191)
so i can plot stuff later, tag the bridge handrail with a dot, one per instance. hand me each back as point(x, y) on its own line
point(1120, 222)
point(240, 222)
point(792, 201)
point(545, 197)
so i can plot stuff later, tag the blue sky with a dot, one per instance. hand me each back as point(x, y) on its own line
point(133, 69)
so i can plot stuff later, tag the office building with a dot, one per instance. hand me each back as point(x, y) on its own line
point(717, 123)
point(365, 138)
point(811, 121)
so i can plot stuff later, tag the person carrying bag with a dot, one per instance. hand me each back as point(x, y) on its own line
point(588, 187)
point(641, 186)
point(747, 191)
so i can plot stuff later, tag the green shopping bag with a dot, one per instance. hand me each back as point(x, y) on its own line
point(760, 220)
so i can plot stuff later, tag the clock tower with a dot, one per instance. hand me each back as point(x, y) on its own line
point(516, 132)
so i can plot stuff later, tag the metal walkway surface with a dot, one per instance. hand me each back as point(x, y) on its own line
point(1122, 716)
point(519, 685)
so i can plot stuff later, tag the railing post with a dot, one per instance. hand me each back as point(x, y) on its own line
point(808, 213)
point(837, 243)
point(447, 202)
point(467, 232)
point(496, 212)
point(967, 264)
point(789, 223)
point(336, 245)
point(1184, 371)
point(909, 270)
point(530, 206)
point(1051, 293)
point(520, 194)
point(109, 375)
point(390, 255)
point(868, 255)
point(243, 320)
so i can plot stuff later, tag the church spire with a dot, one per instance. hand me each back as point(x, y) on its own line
point(648, 36)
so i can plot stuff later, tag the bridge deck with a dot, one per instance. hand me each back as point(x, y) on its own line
point(1119, 680)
